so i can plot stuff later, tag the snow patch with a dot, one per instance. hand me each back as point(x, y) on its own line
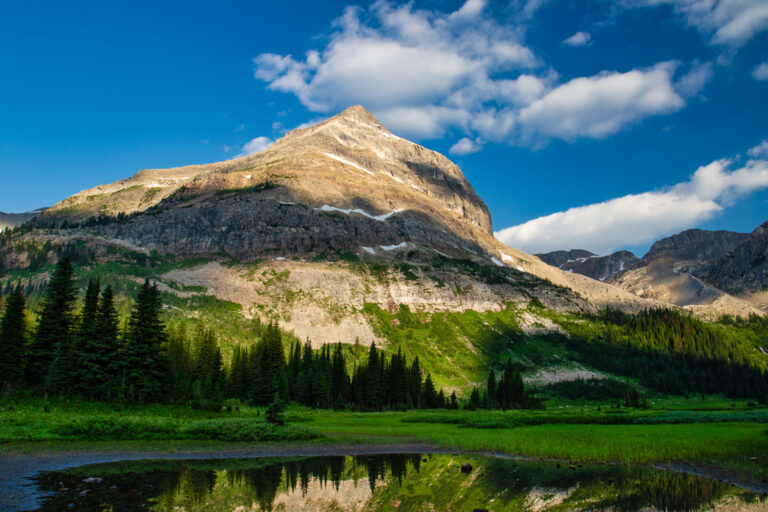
point(352, 164)
point(507, 257)
point(497, 262)
point(248, 177)
point(369, 250)
point(520, 268)
point(380, 218)
point(286, 202)
point(401, 245)
point(280, 258)
point(395, 178)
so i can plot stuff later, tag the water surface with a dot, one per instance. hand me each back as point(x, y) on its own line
point(403, 482)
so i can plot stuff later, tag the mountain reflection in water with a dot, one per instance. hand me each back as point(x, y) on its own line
point(403, 482)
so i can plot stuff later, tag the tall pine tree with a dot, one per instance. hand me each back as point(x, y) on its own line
point(53, 337)
point(13, 333)
point(144, 360)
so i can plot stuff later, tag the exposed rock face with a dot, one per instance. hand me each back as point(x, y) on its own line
point(672, 271)
point(601, 268)
point(744, 268)
point(695, 245)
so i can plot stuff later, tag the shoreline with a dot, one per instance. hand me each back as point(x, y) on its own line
point(17, 468)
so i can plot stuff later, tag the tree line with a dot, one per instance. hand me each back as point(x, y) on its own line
point(86, 353)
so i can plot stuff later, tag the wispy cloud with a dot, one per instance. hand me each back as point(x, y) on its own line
point(761, 72)
point(729, 23)
point(578, 39)
point(255, 145)
point(640, 218)
point(465, 146)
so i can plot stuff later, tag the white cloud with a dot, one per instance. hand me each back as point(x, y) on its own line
point(465, 146)
point(578, 39)
point(601, 105)
point(760, 72)
point(255, 145)
point(693, 82)
point(728, 22)
point(426, 72)
point(640, 218)
point(759, 151)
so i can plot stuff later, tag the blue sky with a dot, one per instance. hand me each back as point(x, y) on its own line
point(598, 125)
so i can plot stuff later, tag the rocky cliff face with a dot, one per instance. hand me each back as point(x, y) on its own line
point(697, 246)
point(346, 184)
point(742, 269)
point(672, 271)
point(601, 268)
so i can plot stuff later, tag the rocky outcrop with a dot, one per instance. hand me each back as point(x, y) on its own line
point(601, 268)
point(744, 268)
point(695, 245)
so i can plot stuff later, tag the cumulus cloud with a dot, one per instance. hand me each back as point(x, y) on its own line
point(578, 39)
point(601, 105)
point(424, 73)
point(255, 145)
point(465, 146)
point(640, 218)
point(760, 72)
point(727, 22)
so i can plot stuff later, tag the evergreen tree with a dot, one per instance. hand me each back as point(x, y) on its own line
point(240, 373)
point(90, 370)
point(53, 337)
point(109, 344)
point(208, 386)
point(145, 364)
point(339, 379)
point(491, 390)
point(269, 367)
point(13, 333)
point(181, 364)
point(429, 394)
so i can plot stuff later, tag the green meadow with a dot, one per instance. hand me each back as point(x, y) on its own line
point(722, 434)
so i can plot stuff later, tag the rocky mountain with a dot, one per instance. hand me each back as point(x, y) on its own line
point(10, 220)
point(329, 219)
point(671, 271)
point(697, 246)
point(744, 268)
point(601, 268)
point(687, 269)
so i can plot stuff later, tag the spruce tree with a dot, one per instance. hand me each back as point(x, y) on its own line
point(109, 344)
point(13, 333)
point(145, 363)
point(53, 337)
point(90, 371)
point(491, 390)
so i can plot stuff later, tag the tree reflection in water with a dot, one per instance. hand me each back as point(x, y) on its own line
point(378, 482)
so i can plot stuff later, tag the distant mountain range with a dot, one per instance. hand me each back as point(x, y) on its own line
point(693, 268)
point(10, 220)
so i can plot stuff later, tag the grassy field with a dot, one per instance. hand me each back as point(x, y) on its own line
point(722, 434)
